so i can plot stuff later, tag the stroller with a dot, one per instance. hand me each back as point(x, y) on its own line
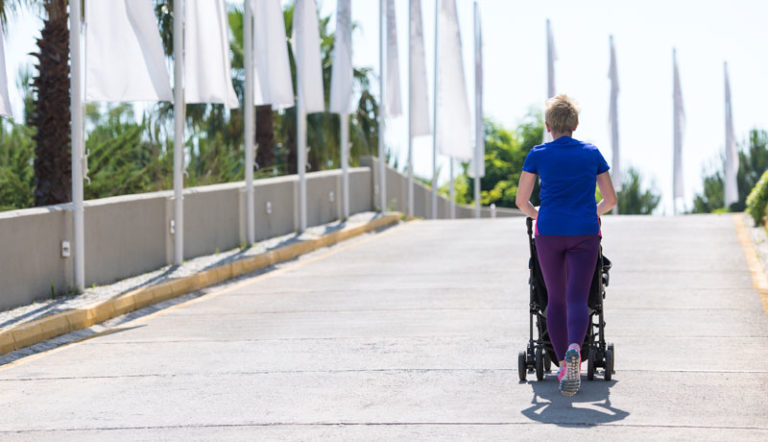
point(539, 355)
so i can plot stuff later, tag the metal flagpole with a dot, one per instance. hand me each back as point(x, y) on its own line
point(301, 147)
point(434, 104)
point(478, 112)
point(410, 114)
point(453, 192)
point(248, 116)
point(178, 140)
point(614, 119)
point(382, 107)
point(78, 212)
point(344, 119)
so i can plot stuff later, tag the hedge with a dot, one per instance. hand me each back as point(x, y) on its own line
point(758, 199)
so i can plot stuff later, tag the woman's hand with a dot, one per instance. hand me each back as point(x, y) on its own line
point(524, 190)
point(609, 194)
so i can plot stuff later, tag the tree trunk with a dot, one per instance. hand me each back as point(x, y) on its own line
point(265, 136)
point(51, 116)
point(289, 126)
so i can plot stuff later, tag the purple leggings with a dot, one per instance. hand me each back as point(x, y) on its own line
point(568, 265)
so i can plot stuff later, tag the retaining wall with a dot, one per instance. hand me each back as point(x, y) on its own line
point(129, 235)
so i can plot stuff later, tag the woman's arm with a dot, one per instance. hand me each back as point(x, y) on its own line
point(524, 190)
point(609, 194)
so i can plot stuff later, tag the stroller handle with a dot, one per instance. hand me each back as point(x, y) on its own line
point(529, 223)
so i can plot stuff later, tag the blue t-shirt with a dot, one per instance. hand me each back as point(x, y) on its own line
point(568, 169)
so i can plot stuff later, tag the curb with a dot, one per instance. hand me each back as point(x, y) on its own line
point(759, 278)
point(39, 330)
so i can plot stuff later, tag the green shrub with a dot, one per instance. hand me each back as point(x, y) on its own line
point(758, 199)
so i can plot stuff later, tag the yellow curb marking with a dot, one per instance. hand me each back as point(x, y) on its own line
point(253, 280)
point(83, 314)
point(759, 278)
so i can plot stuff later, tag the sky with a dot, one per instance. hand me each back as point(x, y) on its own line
point(514, 48)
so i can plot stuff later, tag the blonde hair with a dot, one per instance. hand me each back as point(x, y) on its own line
point(561, 114)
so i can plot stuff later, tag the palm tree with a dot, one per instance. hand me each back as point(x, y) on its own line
point(51, 114)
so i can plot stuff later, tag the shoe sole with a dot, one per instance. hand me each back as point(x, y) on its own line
point(572, 381)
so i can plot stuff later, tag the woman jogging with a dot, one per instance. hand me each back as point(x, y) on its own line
point(567, 229)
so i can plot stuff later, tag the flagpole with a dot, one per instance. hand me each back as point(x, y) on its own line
point(344, 122)
point(434, 113)
point(249, 125)
point(382, 108)
point(410, 114)
point(731, 153)
point(478, 113)
point(678, 136)
point(301, 148)
point(550, 64)
point(614, 111)
point(78, 211)
point(452, 206)
point(178, 140)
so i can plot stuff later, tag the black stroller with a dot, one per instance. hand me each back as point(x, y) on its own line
point(539, 355)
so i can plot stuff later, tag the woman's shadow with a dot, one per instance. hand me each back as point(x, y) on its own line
point(590, 406)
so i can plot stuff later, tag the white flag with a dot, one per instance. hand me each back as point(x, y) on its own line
point(454, 132)
point(551, 57)
point(394, 107)
point(207, 72)
point(273, 83)
point(731, 152)
point(341, 74)
point(417, 89)
point(5, 102)
point(479, 128)
point(306, 51)
point(679, 128)
point(124, 53)
point(613, 74)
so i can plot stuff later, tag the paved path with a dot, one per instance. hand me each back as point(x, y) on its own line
point(413, 334)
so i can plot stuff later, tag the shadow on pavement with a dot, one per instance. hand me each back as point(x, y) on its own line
point(590, 406)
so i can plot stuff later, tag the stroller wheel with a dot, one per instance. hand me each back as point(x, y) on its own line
point(591, 364)
point(539, 364)
point(608, 364)
point(547, 362)
point(521, 368)
point(613, 356)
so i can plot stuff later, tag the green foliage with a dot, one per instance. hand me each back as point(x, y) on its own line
point(125, 156)
point(633, 199)
point(17, 176)
point(757, 201)
point(753, 161)
point(505, 152)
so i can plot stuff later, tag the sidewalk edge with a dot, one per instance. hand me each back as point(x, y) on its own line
point(39, 330)
point(759, 278)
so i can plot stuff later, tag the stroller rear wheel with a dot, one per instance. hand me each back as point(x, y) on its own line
point(521, 366)
point(613, 354)
point(608, 364)
point(539, 364)
point(547, 361)
point(591, 364)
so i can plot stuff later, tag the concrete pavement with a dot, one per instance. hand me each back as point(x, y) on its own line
point(413, 334)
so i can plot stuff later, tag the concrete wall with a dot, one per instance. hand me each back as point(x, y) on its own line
point(131, 234)
point(397, 197)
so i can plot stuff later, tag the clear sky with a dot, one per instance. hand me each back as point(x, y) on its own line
point(704, 33)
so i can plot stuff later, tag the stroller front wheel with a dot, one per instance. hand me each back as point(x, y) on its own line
point(522, 369)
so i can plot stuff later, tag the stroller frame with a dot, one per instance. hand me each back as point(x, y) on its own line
point(539, 354)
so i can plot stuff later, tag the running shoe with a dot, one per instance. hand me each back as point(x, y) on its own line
point(570, 378)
